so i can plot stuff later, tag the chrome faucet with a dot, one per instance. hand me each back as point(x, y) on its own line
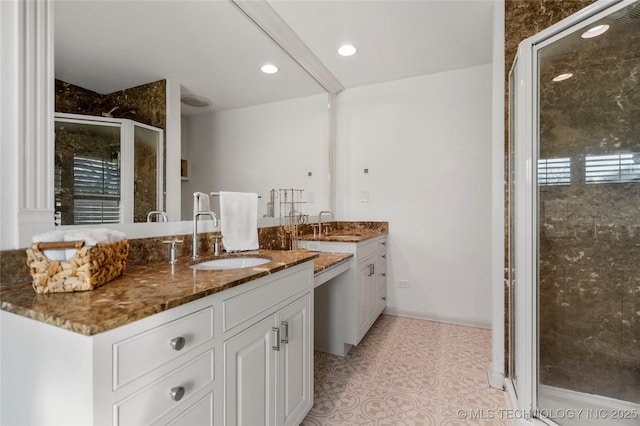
point(162, 214)
point(320, 219)
point(194, 243)
point(196, 214)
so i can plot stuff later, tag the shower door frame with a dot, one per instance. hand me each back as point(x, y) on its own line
point(523, 393)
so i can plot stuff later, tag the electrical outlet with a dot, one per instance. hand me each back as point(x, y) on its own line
point(403, 283)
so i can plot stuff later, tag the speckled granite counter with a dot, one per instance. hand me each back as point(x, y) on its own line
point(142, 291)
point(349, 232)
point(145, 290)
point(327, 260)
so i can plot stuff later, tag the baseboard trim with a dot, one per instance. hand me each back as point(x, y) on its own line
point(429, 316)
point(496, 379)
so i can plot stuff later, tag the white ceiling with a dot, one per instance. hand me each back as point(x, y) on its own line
point(395, 39)
point(215, 51)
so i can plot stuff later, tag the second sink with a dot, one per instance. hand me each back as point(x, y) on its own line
point(231, 263)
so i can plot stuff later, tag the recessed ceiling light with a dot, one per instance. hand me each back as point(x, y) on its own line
point(347, 50)
point(563, 77)
point(595, 31)
point(195, 101)
point(269, 69)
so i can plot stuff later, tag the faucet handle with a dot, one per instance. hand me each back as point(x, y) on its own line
point(172, 251)
point(173, 242)
point(216, 244)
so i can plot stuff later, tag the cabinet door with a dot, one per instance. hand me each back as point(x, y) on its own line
point(295, 389)
point(366, 294)
point(249, 375)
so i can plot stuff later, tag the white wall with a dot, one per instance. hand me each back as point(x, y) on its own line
point(427, 144)
point(258, 148)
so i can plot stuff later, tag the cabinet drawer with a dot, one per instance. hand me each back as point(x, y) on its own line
point(382, 268)
point(382, 245)
point(137, 355)
point(155, 400)
point(200, 413)
point(240, 308)
point(367, 249)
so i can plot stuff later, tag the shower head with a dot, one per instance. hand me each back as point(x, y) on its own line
point(124, 112)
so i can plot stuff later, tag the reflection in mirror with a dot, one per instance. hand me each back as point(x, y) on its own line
point(92, 185)
point(209, 49)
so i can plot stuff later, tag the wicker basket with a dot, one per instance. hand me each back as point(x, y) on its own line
point(88, 268)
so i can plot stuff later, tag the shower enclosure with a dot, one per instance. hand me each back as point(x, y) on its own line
point(107, 170)
point(575, 121)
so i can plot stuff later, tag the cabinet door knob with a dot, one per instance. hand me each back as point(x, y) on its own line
point(384, 256)
point(285, 331)
point(384, 298)
point(176, 393)
point(384, 274)
point(177, 343)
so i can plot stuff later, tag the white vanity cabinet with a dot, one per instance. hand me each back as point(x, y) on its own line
point(268, 356)
point(151, 371)
point(349, 304)
point(207, 362)
point(372, 284)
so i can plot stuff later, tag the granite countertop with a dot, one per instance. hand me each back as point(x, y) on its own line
point(345, 235)
point(326, 260)
point(142, 291)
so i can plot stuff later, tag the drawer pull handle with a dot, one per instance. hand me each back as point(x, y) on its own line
point(177, 343)
point(285, 331)
point(276, 347)
point(176, 393)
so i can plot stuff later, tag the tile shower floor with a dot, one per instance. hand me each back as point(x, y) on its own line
point(409, 372)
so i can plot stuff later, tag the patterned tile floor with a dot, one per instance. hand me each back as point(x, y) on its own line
point(409, 372)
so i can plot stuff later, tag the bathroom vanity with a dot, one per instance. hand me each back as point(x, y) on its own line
point(348, 304)
point(164, 344)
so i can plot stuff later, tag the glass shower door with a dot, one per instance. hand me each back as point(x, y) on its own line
point(147, 171)
point(88, 179)
point(588, 222)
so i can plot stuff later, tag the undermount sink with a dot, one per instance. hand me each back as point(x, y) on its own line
point(231, 263)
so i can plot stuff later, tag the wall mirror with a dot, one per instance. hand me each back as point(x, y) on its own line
point(213, 51)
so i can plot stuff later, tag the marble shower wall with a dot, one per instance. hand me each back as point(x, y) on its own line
point(522, 20)
point(589, 233)
point(144, 104)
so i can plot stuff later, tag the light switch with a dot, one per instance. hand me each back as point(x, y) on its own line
point(364, 196)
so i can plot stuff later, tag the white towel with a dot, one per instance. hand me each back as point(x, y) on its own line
point(51, 237)
point(91, 237)
point(239, 220)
